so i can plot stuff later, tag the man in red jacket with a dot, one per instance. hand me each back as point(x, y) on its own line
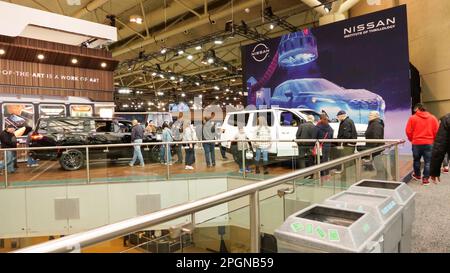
point(421, 130)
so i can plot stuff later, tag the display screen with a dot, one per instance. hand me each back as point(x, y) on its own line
point(18, 115)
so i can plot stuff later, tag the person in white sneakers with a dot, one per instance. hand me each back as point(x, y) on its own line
point(189, 135)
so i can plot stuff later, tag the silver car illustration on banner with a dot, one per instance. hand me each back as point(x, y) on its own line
point(320, 94)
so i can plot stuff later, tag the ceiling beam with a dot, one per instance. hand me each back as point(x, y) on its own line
point(192, 24)
point(90, 7)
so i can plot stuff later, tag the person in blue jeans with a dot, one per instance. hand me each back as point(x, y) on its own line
point(421, 130)
point(137, 136)
point(209, 133)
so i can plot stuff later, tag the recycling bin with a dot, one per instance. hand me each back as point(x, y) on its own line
point(402, 194)
point(383, 208)
point(322, 228)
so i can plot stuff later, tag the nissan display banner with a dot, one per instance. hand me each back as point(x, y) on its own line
point(357, 65)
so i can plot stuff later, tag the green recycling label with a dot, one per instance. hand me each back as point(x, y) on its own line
point(320, 232)
point(297, 227)
point(309, 229)
point(333, 235)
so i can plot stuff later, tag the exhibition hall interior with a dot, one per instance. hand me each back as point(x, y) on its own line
point(224, 126)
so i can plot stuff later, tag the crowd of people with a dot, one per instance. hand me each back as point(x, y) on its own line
point(253, 148)
point(429, 136)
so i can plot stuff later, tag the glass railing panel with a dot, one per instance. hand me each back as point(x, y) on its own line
point(47, 167)
point(379, 166)
point(226, 232)
point(115, 164)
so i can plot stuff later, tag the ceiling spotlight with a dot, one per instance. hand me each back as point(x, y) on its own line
point(190, 57)
point(103, 64)
point(181, 79)
point(217, 97)
point(197, 83)
point(136, 19)
point(2, 51)
point(40, 56)
point(227, 90)
point(191, 102)
point(218, 42)
point(74, 61)
point(180, 52)
point(161, 76)
point(200, 96)
point(163, 50)
point(210, 60)
point(225, 68)
point(124, 91)
point(172, 78)
point(233, 80)
point(272, 26)
point(183, 95)
point(198, 47)
point(247, 10)
point(154, 74)
point(216, 87)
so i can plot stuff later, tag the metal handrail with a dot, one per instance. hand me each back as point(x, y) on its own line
point(109, 232)
point(201, 142)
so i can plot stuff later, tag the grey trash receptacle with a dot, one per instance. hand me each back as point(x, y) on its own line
point(383, 208)
point(321, 228)
point(402, 194)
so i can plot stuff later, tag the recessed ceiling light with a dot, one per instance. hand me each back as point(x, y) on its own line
point(154, 74)
point(74, 61)
point(218, 42)
point(103, 64)
point(190, 57)
point(40, 56)
point(180, 52)
point(183, 95)
point(2, 51)
point(272, 26)
point(198, 47)
point(163, 50)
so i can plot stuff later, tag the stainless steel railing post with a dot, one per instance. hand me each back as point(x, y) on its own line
point(254, 223)
point(167, 161)
point(244, 174)
point(6, 168)
point(396, 164)
point(357, 169)
point(88, 170)
point(317, 146)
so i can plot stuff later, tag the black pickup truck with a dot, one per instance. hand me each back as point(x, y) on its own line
point(74, 131)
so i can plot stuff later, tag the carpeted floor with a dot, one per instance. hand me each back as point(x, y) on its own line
point(431, 229)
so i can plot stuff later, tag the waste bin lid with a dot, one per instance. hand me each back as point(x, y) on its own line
point(401, 192)
point(382, 207)
point(329, 229)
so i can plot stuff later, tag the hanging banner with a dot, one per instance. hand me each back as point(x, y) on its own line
point(357, 65)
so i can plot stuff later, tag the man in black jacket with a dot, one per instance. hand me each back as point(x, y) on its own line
point(306, 130)
point(441, 146)
point(8, 140)
point(347, 130)
point(375, 130)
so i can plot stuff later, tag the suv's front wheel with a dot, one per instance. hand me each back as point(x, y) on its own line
point(71, 160)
